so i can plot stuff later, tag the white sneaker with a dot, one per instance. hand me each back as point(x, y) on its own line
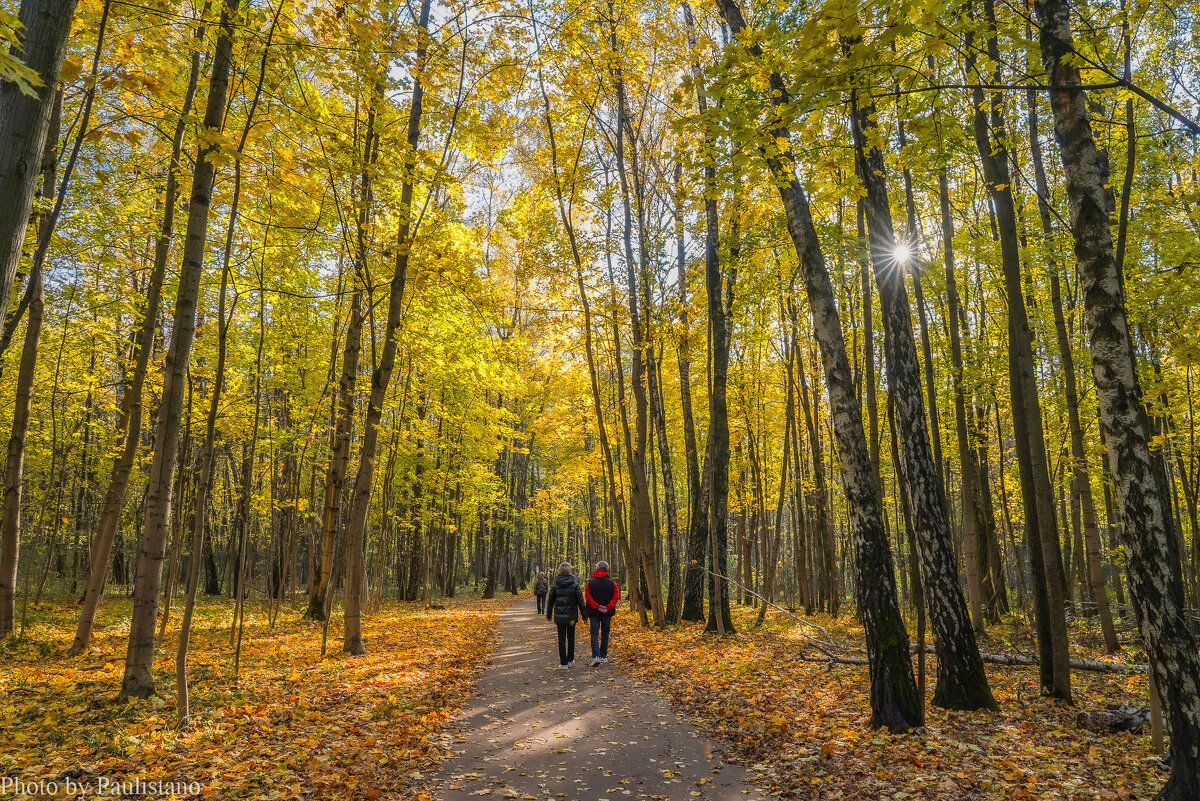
point(595, 661)
point(604, 660)
point(571, 664)
point(563, 667)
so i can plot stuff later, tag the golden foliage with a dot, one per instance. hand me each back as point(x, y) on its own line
point(294, 726)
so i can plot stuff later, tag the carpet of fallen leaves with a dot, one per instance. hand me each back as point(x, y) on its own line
point(293, 726)
point(803, 726)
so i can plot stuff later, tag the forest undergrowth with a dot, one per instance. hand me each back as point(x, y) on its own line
point(802, 726)
point(293, 725)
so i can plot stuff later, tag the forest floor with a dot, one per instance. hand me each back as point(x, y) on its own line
point(292, 726)
point(802, 726)
point(384, 726)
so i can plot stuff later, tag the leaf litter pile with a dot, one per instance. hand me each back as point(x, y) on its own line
point(293, 726)
point(803, 726)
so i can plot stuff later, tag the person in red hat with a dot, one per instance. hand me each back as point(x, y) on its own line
point(601, 594)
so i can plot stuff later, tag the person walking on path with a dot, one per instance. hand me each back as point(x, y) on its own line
point(601, 594)
point(564, 605)
point(540, 588)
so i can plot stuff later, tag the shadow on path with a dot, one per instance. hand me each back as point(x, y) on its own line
point(533, 731)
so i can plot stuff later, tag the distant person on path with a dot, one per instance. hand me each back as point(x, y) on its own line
point(565, 605)
point(540, 588)
point(601, 594)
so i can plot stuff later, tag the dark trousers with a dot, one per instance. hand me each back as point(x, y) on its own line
point(600, 625)
point(566, 642)
point(541, 599)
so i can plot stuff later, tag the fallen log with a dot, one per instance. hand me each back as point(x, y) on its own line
point(1012, 660)
point(1115, 717)
point(1024, 660)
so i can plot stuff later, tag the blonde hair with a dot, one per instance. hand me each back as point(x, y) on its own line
point(564, 568)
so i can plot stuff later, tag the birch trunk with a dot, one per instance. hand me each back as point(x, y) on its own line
point(1156, 587)
point(894, 699)
point(962, 683)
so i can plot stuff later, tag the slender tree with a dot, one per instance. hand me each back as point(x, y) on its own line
point(381, 376)
point(1041, 529)
point(14, 473)
point(1153, 551)
point(138, 681)
point(962, 683)
point(894, 700)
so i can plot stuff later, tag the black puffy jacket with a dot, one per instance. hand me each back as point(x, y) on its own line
point(565, 602)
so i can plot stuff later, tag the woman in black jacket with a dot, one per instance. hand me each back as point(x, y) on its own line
point(564, 605)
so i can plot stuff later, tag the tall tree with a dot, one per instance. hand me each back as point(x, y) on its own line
point(697, 538)
point(14, 472)
point(1037, 500)
point(138, 681)
point(24, 120)
point(962, 683)
point(1154, 580)
point(1081, 482)
point(675, 602)
point(381, 376)
point(343, 433)
point(894, 700)
point(129, 426)
point(641, 522)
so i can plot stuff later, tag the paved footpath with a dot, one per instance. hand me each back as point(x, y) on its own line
point(533, 731)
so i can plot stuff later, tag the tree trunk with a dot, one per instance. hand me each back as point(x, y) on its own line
point(918, 264)
point(14, 474)
point(1081, 480)
point(894, 700)
point(249, 454)
point(138, 681)
point(675, 601)
point(670, 508)
point(129, 425)
point(720, 302)
point(24, 123)
point(1030, 443)
point(772, 547)
point(335, 476)
point(820, 492)
point(356, 528)
point(697, 537)
point(1156, 586)
point(642, 531)
point(976, 527)
point(962, 683)
point(203, 492)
